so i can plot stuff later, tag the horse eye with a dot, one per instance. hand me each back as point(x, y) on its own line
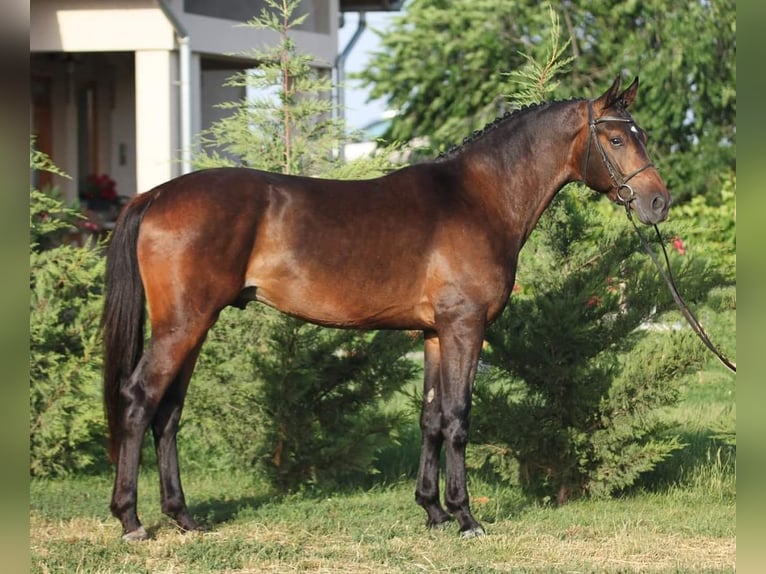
point(616, 142)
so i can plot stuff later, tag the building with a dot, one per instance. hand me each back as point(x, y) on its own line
point(120, 87)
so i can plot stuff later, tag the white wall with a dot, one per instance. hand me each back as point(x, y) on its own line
point(105, 26)
point(123, 121)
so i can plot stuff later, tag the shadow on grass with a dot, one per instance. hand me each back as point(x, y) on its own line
point(706, 456)
point(216, 511)
point(707, 460)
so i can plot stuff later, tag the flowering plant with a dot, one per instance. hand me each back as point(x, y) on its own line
point(98, 187)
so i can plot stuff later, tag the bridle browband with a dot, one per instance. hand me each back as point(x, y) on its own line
point(620, 181)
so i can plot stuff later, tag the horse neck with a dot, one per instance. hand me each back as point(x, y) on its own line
point(520, 165)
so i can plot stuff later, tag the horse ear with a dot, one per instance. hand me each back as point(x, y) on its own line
point(609, 97)
point(626, 98)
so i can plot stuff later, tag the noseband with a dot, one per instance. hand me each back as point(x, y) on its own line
point(620, 181)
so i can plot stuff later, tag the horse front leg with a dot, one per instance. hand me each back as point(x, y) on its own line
point(460, 343)
point(427, 490)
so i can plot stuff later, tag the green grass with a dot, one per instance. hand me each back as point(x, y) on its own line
point(679, 518)
point(381, 530)
point(682, 519)
point(687, 524)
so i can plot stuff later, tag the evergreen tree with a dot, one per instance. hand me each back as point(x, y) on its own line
point(569, 404)
point(285, 123)
point(321, 401)
point(303, 404)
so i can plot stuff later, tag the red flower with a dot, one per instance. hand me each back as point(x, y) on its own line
point(99, 187)
point(594, 301)
point(678, 244)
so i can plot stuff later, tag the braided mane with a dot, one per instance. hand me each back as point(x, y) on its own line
point(507, 116)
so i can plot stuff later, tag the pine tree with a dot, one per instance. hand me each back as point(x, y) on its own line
point(310, 414)
point(287, 126)
point(285, 123)
point(574, 387)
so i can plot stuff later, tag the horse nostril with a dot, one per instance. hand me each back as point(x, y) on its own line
point(658, 204)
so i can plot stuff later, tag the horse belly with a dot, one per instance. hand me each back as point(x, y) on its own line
point(341, 298)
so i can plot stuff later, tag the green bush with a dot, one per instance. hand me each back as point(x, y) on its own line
point(66, 422)
point(222, 418)
point(588, 351)
point(321, 392)
point(265, 384)
point(714, 230)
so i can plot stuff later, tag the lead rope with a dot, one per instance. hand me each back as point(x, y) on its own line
point(668, 276)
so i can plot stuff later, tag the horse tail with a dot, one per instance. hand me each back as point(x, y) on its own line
point(124, 314)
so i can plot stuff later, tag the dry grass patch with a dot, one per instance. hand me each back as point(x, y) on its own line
point(89, 545)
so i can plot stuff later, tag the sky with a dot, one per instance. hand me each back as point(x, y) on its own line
point(359, 112)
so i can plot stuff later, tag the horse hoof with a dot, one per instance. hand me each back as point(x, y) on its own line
point(476, 532)
point(135, 535)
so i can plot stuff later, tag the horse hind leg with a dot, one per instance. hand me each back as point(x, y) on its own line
point(164, 429)
point(141, 398)
point(135, 415)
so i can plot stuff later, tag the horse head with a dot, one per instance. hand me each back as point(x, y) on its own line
point(615, 158)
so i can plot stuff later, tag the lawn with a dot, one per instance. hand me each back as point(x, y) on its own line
point(681, 518)
point(381, 530)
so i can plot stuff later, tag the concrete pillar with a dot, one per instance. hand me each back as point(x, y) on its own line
point(156, 120)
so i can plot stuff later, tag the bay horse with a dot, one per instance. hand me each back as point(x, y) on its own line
point(430, 247)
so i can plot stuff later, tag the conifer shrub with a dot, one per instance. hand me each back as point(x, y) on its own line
point(321, 395)
point(66, 426)
point(588, 350)
point(583, 358)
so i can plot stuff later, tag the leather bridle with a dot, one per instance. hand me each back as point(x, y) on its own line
point(619, 180)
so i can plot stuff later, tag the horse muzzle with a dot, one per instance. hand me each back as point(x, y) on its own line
point(651, 208)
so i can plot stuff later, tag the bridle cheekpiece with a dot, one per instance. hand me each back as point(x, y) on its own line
point(620, 181)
